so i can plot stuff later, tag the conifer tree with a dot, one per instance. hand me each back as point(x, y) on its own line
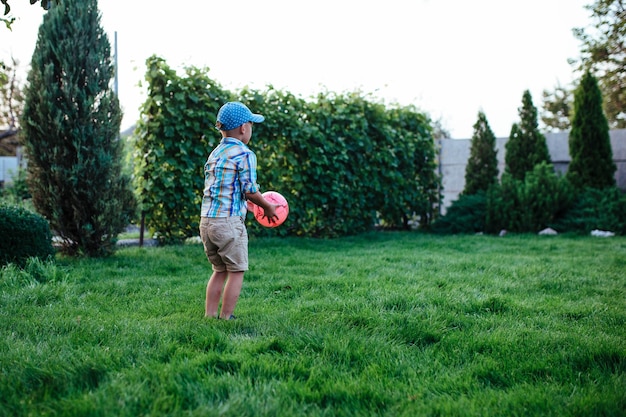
point(603, 52)
point(589, 141)
point(71, 126)
point(482, 167)
point(526, 146)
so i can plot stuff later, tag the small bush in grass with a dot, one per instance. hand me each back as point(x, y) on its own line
point(465, 215)
point(24, 234)
point(18, 190)
point(596, 209)
point(531, 204)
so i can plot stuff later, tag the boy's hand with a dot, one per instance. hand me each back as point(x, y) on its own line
point(270, 212)
point(269, 209)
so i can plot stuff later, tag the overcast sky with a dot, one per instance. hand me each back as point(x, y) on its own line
point(450, 58)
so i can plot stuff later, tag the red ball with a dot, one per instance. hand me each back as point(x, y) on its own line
point(282, 212)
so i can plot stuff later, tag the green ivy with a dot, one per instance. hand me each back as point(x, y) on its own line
point(344, 163)
point(173, 138)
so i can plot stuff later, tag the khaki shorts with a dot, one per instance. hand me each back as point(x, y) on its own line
point(225, 242)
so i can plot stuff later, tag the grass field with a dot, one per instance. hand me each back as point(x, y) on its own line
point(389, 324)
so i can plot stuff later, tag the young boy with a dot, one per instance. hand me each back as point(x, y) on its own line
point(229, 180)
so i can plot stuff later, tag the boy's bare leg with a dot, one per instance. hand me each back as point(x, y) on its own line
point(231, 293)
point(213, 293)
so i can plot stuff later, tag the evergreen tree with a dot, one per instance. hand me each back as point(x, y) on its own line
point(482, 167)
point(557, 108)
point(603, 52)
point(71, 126)
point(526, 146)
point(589, 141)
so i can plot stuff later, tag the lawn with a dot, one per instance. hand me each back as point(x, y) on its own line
point(389, 324)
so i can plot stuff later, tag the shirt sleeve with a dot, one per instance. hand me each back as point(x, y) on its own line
point(247, 174)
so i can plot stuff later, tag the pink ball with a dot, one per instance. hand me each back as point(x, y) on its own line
point(282, 212)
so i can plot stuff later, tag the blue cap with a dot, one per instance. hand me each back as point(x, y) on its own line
point(233, 114)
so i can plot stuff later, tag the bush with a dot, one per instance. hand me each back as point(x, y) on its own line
point(465, 215)
point(596, 209)
point(17, 191)
point(341, 160)
point(24, 235)
point(528, 205)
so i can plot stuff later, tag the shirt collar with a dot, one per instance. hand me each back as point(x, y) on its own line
point(229, 139)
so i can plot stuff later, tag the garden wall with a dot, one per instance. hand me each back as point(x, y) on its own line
point(8, 168)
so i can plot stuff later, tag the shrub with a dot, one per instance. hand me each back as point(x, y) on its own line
point(172, 142)
point(17, 192)
point(345, 163)
point(341, 160)
point(593, 208)
point(531, 204)
point(24, 235)
point(465, 215)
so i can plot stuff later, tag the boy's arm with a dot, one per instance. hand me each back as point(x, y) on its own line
point(269, 209)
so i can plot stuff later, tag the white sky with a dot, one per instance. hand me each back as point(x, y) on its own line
point(450, 58)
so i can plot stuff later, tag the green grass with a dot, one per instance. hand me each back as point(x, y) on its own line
point(390, 324)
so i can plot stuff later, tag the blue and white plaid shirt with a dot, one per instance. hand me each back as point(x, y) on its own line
point(229, 173)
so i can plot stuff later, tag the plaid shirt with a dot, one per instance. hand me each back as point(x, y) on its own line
point(229, 173)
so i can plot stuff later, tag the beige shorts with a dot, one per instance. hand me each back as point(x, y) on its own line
point(225, 242)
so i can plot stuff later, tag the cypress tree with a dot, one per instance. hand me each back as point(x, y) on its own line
point(589, 141)
point(526, 146)
point(482, 167)
point(71, 126)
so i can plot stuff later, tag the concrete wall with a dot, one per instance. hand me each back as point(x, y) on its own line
point(8, 168)
point(454, 153)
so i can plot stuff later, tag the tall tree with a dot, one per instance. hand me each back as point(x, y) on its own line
point(589, 141)
point(557, 108)
point(481, 170)
point(526, 146)
point(603, 52)
point(71, 125)
point(11, 104)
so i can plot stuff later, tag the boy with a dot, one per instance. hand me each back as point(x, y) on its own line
point(229, 180)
